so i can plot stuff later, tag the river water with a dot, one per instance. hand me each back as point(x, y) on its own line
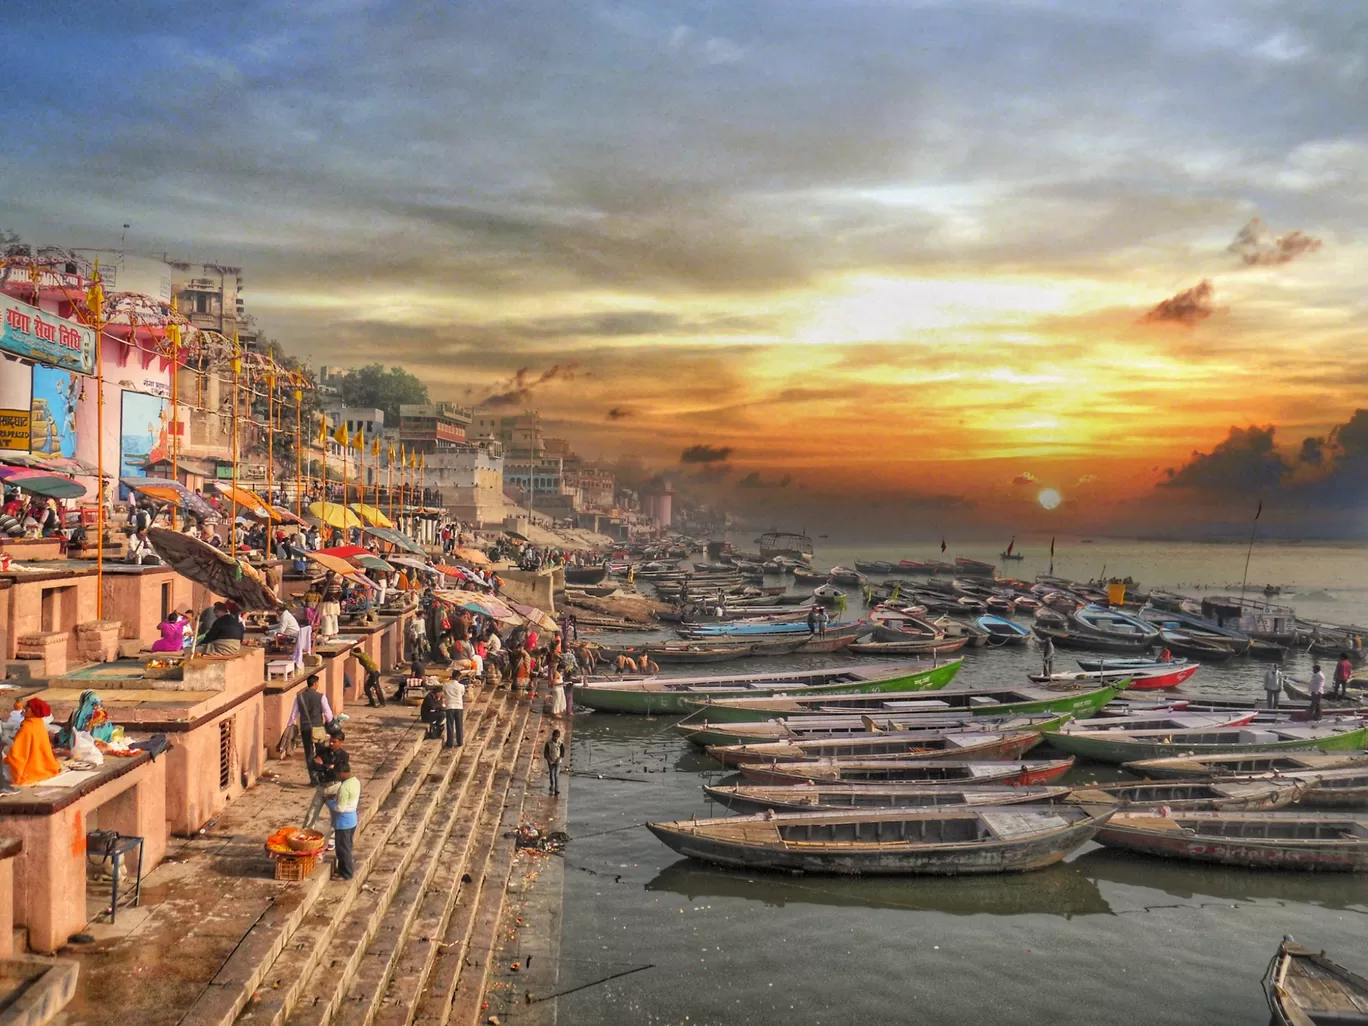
point(1102, 937)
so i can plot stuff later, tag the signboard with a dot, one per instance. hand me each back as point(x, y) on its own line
point(14, 429)
point(37, 335)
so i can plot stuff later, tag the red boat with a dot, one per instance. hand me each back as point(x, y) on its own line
point(1145, 680)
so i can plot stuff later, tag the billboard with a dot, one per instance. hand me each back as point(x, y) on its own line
point(53, 424)
point(142, 434)
point(38, 335)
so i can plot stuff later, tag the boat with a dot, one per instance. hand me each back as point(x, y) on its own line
point(802, 728)
point(828, 594)
point(1299, 692)
point(1254, 618)
point(912, 566)
point(1137, 663)
point(938, 842)
point(1002, 631)
point(1195, 628)
point(1125, 747)
point(1000, 604)
point(1303, 841)
point(1269, 651)
point(830, 640)
point(1163, 720)
point(1009, 552)
point(876, 566)
point(748, 799)
point(844, 575)
point(1197, 795)
point(1020, 771)
point(1194, 647)
point(974, 567)
point(779, 543)
point(912, 744)
point(1140, 680)
point(1304, 988)
point(1065, 637)
point(752, 627)
point(1241, 764)
point(975, 701)
point(806, 575)
point(694, 654)
point(1111, 623)
point(585, 574)
point(656, 695)
point(1336, 788)
point(912, 646)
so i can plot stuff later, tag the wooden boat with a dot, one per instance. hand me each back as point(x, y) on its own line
point(975, 567)
point(1194, 647)
point(804, 574)
point(1112, 623)
point(1197, 796)
point(1064, 637)
point(875, 566)
point(940, 842)
point(913, 646)
point(1162, 721)
point(778, 543)
point(833, 639)
point(788, 622)
point(1138, 663)
point(1131, 746)
point(1304, 841)
point(844, 575)
point(1336, 788)
point(654, 695)
point(892, 745)
point(976, 701)
point(1003, 631)
point(828, 594)
point(1300, 693)
point(747, 799)
point(1304, 988)
point(912, 566)
point(687, 654)
point(1195, 629)
point(1039, 771)
point(805, 728)
point(1237, 764)
point(1140, 680)
point(1001, 605)
point(585, 574)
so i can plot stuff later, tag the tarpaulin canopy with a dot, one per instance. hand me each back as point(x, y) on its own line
point(285, 516)
point(245, 498)
point(72, 465)
point(473, 556)
point(232, 578)
point(42, 482)
point(334, 514)
point(165, 490)
point(395, 538)
point(371, 515)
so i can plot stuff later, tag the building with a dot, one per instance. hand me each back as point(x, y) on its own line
point(471, 482)
point(210, 296)
point(595, 482)
point(368, 421)
point(433, 427)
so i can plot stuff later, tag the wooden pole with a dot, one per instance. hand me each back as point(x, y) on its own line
point(299, 453)
point(173, 333)
point(98, 310)
point(237, 372)
point(270, 456)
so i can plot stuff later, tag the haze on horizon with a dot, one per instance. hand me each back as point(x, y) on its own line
point(869, 261)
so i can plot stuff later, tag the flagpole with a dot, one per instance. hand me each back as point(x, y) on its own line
point(237, 378)
point(299, 453)
point(344, 488)
point(173, 333)
point(324, 436)
point(1250, 551)
point(97, 305)
point(270, 454)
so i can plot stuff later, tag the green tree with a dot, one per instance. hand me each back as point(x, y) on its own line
point(378, 388)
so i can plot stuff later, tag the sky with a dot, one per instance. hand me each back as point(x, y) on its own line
point(938, 258)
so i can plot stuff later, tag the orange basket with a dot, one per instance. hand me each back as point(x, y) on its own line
point(294, 868)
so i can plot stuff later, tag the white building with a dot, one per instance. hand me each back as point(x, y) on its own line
point(471, 482)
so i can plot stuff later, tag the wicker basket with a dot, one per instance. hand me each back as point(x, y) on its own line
point(294, 868)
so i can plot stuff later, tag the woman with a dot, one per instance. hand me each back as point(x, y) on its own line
point(30, 759)
point(331, 607)
point(90, 716)
point(172, 634)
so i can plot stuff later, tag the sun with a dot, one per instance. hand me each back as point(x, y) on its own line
point(1048, 498)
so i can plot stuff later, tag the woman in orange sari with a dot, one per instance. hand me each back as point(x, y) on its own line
point(30, 759)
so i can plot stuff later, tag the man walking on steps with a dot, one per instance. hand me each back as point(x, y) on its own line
point(553, 752)
point(312, 713)
point(453, 707)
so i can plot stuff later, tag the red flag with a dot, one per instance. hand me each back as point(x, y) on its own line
point(1052, 548)
point(942, 544)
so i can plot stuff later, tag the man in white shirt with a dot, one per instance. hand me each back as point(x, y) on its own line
point(453, 705)
point(1316, 688)
point(287, 630)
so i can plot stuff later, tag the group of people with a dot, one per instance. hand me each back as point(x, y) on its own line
point(336, 787)
point(221, 631)
point(31, 749)
point(1315, 684)
point(36, 516)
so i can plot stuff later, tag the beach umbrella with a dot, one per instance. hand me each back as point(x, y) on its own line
point(204, 564)
point(165, 490)
point(371, 562)
point(334, 514)
point(246, 499)
point(485, 605)
point(415, 564)
point(285, 516)
point(334, 563)
point(344, 551)
point(396, 538)
point(42, 482)
point(371, 515)
point(472, 556)
point(536, 616)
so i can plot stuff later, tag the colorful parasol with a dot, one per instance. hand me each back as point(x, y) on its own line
point(334, 514)
point(396, 538)
point(336, 564)
point(285, 516)
point(416, 564)
point(246, 498)
point(199, 561)
point(472, 556)
point(371, 562)
point(486, 605)
point(165, 490)
point(42, 482)
point(537, 617)
point(372, 516)
point(344, 551)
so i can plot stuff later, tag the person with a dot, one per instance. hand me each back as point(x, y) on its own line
point(140, 550)
point(553, 752)
point(1047, 657)
point(89, 716)
point(326, 759)
point(30, 759)
point(522, 671)
point(417, 670)
point(172, 631)
point(287, 628)
point(1272, 684)
point(570, 670)
point(375, 694)
point(342, 809)
point(1166, 656)
point(1344, 672)
point(331, 607)
point(224, 636)
point(453, 707)
point(432, 714)
point(1316, 688)
point(313, 713)
point(822, 618)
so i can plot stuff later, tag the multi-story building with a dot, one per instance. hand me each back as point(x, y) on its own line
point(595, 482)
point(369, 422)
point(433, 427)
point(471, 482)
point(210, 296)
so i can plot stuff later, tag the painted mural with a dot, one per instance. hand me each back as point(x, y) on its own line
point(142, 437)
point(56, 393)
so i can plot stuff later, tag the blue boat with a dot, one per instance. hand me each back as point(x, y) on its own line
point(1002, 631)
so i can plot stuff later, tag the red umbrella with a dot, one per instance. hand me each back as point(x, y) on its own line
point(345, 551)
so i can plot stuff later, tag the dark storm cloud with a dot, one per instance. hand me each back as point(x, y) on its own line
point(706, 454)
point(755, 480)
point(1245, 463)
point(524, 384)
point(1257, 246)
point(1189, 307)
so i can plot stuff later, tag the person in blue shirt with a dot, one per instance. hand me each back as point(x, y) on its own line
point(342, 808)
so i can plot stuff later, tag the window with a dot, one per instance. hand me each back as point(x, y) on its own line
point(225, 753)
point(202, 302)
point(165, 600)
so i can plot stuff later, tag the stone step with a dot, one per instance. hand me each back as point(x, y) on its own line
point(246, 970)
point(369, 989)
point(337, 928)
point(456, 983)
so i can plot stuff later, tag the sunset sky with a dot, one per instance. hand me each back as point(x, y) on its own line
point(914, 252)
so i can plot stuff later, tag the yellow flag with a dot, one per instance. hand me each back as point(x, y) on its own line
point(340, 435)
point(375, 447)
point(391, 453)
point(95, 296)
point(359, 440)
point(323, 431)
point(413, 460)
point(422, 460)
point(173, 328)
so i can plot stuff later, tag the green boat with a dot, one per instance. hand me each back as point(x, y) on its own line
point(1130, 746)
point(710, 735)
point(656, 695)
point(975, 701)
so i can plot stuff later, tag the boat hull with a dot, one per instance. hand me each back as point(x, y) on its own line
point(1163, 836)
point(1005, 746)
point(832, 798)
point(930, 771)
point(1117, 751)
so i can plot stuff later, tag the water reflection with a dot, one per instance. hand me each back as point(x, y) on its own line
point(1057, 891)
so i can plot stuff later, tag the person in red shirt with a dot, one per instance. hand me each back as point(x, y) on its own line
point(1344, 672)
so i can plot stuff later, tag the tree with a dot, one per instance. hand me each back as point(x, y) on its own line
point(374, 387)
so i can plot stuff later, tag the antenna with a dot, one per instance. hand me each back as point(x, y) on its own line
point(122, 235)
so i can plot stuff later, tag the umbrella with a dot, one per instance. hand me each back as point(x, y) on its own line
point(165, 490)
point(73, 465)
point(395, 538)
point(23, 459)
point(371, 515)
point(285, 516)
point(344, 551)
point(486, 605)
point(416, 564)
point(42, 482)
point(234, 579)
point(334, 514)
point(374, 563)
point(472, 556)
point(334, 563)
point(246, 499)
point(538, 617)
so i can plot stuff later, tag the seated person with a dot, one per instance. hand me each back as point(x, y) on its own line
point(432, 713)
point(89, 716)
point(140, 550)
point(286, 630)
point(224, 637)
point(172, 631)
point(30, 759)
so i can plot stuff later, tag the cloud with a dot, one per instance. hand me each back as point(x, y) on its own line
point(521, 387)
point(1187, 307)
point(1245, 463)
point(1024, 478)
point(621, 413)
point(754, 480)
point(1258, 247)
point(706, 454)
point(1087, 479)
point(1312, 452)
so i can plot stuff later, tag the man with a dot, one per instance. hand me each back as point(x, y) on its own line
point(453, 705)
point(812, 620)
point(1047, 657)
point(313, 714)
point(1272, 683)
point(140, 550)
point(417, 671)
point(553, 752)
point(432, 714)
point(1316, 688)
point(342, 808)
point(1344, 672)
point(375, 694)
point(225, 634)
point(327, 758)
point(286, 628)
point(822, 618)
